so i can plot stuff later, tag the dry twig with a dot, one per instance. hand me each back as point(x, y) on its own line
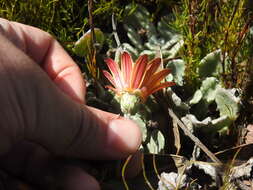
point(193, 138)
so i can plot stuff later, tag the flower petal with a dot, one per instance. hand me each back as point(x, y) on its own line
point(126, 67)
point(118, 92)
point(157, 78)
point(116, 73)
point(138, 71)
point(152, 67)
point(147, 92)
point(109, 77)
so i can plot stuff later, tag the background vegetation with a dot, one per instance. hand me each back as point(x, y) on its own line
point(192, 36)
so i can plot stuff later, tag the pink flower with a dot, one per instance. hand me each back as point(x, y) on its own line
point(140, 78)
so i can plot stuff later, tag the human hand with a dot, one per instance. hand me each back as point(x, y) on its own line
point(43, 113)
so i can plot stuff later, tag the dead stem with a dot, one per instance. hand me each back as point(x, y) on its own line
point(144, 173)
point(93, 38)
point(123, 171)
point(155, 167)
point(193, 138)
point(233, 148)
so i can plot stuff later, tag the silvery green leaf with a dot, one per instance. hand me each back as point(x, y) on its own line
point(139, 21)
point(177, 101)
point(196, 97)
point(151, 54)
point(134, 37)
point(208, 89)
point(174, 50)
point(208, 125)
point(227, 103)
point(208, 66)
point(177, 67)
point(221, 123)
point(251, 31)
point(166, 53)
point(152, 35)
point(152, 46)
point(197, 123)
point(172, 42)
point(164, 29)
point(169, 77)
point(141, 124)
point(219, 120)
point(138, 17)
point(151, 31)
point(142, 16)
point(156, 143)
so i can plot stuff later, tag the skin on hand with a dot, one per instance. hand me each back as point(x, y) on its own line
point(43, 102)
point(47, 52)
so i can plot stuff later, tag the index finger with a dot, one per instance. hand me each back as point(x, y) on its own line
point(47, 52)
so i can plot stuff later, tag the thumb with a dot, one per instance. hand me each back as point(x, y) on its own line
point(104, 135)
point(34, 109)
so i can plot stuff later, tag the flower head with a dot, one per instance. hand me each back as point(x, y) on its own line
point(141, 78)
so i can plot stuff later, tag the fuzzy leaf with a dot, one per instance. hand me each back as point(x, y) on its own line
point(196, 122)
point(251, 31)
point(153, 46)
point(137, 17)
point(196, 97)
point(141, 124)
point(208, 66)
point(227, 103)
point(156, 143)
point(221, 123)
point(170, 43)
point(164, 29)
point(174, 50)
point(134, 37)
point(151, 53)
point(146, 38)
point(208, 89)
point(169, 48)
point(83, 45)
point(138, 21)
point(178, 103)
point(177, 67)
